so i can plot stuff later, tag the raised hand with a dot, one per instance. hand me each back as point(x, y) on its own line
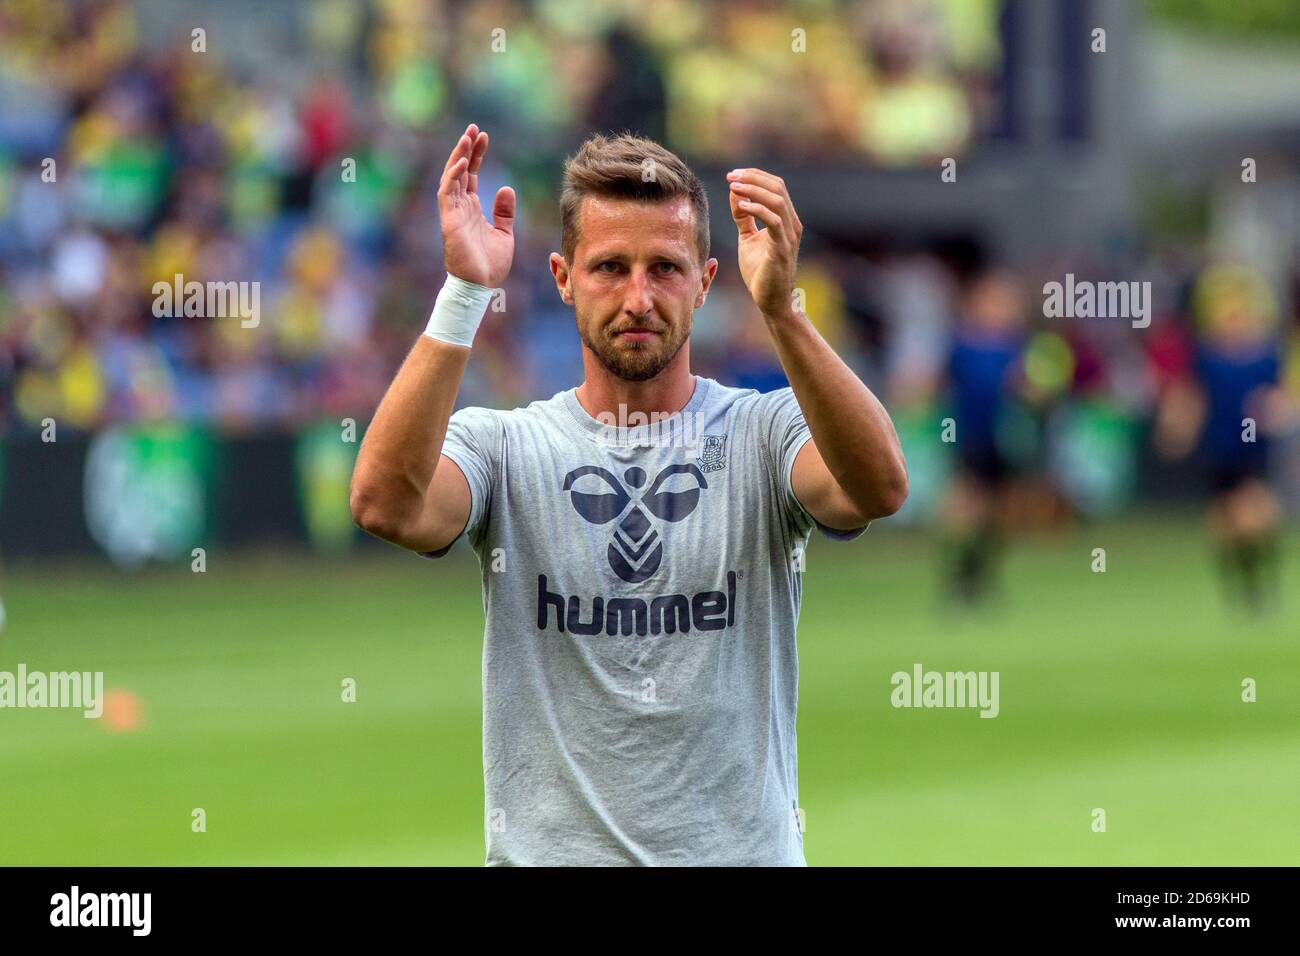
point(767, 256)
point(474, 249)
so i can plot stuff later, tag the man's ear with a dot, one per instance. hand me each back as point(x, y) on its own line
point(706, 280)
point(560, 269)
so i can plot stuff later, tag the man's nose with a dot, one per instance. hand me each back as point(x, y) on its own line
point(637, 300)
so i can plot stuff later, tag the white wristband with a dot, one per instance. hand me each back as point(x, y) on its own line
point(459, 309)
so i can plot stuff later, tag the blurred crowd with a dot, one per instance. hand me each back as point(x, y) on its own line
point(133, 150)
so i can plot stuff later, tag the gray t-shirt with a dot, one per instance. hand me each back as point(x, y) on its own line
point(642, 587)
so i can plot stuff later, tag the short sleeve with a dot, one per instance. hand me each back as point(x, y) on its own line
point(473, 442)
point(785, 432)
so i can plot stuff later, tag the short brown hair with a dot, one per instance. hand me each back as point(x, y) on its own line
point(616, 167)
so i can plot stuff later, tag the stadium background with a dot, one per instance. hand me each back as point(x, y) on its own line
point(1119, 690)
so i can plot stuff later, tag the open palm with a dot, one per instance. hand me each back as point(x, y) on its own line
point(768, 257)
point(474, 249)
point(764, 273)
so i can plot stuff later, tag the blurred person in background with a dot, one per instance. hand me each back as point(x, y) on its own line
point(985, 374)
point(1226, 410)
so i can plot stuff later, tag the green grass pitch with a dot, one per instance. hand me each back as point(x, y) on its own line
point(1119, 690)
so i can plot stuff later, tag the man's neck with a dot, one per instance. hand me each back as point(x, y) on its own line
point(667, 393)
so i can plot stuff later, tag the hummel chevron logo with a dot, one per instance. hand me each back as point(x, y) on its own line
point(636, 542)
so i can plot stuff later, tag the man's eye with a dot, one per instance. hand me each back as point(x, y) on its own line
point(669, 267)
point(601, 268)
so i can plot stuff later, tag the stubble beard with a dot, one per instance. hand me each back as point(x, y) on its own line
point(634, 361)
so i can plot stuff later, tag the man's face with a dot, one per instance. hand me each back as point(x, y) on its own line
point(635, 279)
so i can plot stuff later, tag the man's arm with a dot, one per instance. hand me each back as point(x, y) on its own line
point(852, 471)
point(403, 489)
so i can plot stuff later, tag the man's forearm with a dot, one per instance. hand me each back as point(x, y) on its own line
point(401, 447)
point(398, 491)
point(851, 429)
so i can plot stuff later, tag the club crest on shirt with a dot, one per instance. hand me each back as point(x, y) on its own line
point(713, 456)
